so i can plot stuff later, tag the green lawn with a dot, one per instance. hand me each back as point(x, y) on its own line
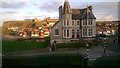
point(10, 46)
point(108, 61)
point(44, 60)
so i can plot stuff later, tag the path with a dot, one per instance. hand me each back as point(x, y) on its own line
point(94, 52)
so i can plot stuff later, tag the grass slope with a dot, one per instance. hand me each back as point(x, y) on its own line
point(44, 60)
point(108, 61)
point(10, 46)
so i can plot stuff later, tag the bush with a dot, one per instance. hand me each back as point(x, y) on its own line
point(71, 45)
point(94, 43)
point(102, 35)
point(47, 41)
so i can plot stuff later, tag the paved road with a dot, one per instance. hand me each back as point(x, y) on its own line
point(94, 52)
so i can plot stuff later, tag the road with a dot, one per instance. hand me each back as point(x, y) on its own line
point(94, 52)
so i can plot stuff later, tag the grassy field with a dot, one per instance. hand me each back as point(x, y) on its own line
point(108, 61)
point(10, 46)
point(44, 60)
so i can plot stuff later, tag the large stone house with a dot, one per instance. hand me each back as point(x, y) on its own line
point(73, 24)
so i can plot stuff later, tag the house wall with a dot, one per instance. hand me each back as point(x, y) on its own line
point(93, 27)
point(54, 37)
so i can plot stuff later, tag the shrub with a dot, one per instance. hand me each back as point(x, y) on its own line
point(47, 41)
point(93, 43)
point(71, 45)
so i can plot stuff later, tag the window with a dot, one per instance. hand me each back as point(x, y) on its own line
point(84, 22)
point(73, 22)
point(64, 33)
point(67, 22)
point(73, 34)
point(90, 32)
point(67, 33)
point(90, 22)
point(78, 33)
point(56, 31)
point(78, 22)
point(64, 22)
point(84, 32)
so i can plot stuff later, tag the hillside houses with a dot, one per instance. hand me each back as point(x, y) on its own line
point(107, 27)
point(39, 28)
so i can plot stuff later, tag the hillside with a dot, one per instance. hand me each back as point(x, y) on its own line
point(22, 23)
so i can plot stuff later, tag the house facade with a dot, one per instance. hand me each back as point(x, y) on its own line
point(73, 24)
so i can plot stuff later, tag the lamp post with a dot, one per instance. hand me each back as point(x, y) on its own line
point(104, 45)
point(87, 50)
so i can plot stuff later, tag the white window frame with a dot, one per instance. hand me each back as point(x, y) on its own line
point(67, 22)
point(84, 22)
point(65, 30)
point(64, 33)
point(90, 32)
point(73, 22)
point(73, 32)
point(83, 33)
point(90, 22)
point(77, 22)
point(67, 33)
point(64, 22)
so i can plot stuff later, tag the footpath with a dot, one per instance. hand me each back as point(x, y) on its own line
point(94, 52)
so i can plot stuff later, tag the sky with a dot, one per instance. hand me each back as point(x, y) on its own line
point(104, 10)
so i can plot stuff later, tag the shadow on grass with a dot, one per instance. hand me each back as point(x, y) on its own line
point(56, 60)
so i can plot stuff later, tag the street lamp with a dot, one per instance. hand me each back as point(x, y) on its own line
point(87, 50)
point(104, 45)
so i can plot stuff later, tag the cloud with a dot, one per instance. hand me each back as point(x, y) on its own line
point(50, 6)
point(9, 12)
point(13, 5)
point(106, 18)
point(15, 0)
point(110, 18)
point(106, 8)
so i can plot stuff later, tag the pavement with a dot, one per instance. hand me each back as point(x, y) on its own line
point(94, 52)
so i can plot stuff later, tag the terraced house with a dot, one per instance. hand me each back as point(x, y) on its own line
point(73, 24)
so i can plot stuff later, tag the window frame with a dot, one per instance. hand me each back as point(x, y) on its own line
point(84, 32)
point(78, 22)
point(55, 32)
point(90, 32)
point(73, 22)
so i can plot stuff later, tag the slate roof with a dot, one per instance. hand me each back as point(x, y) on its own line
point(78, 14)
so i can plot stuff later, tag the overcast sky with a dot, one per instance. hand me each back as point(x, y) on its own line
point(30, 9)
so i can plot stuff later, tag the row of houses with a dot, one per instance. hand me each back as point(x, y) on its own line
point(107, 27)
point(40, 28)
